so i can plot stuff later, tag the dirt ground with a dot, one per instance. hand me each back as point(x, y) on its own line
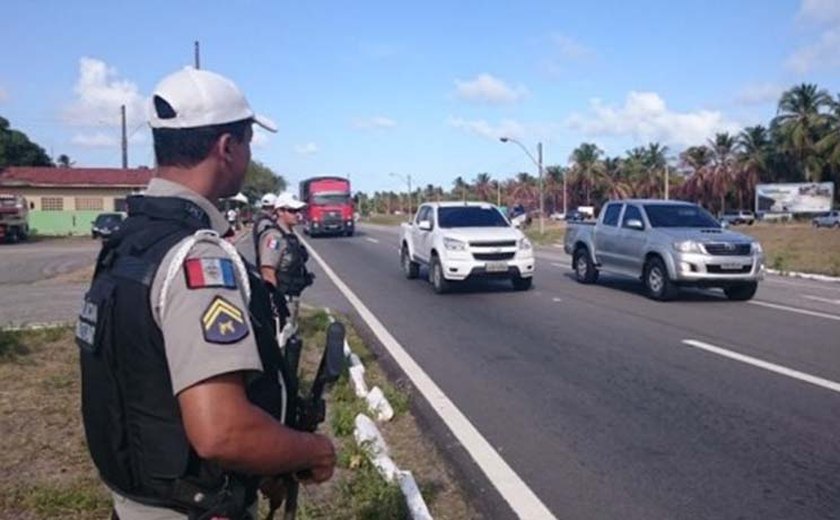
point(798, 247)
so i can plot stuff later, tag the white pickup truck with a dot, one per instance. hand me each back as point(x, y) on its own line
point(465, 240)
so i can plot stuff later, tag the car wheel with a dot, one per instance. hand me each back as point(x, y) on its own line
point(522, 284)
point(410, 268)
point(440, 284)
point(585, 271)
point(836, 225)
point(741, 292)
point(657, 284)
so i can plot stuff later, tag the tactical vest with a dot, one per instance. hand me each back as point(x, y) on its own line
point(292, 275)
point(263, 223)
point(132, 419)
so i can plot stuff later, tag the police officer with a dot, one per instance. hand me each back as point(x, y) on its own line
point(282, 258)
point(264, 218)
point(182, 378)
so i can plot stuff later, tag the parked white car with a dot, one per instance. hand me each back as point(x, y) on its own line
point(465, 240)
point(830, 219)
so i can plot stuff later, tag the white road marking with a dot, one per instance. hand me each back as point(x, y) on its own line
point(772, 367)
point(513, 489)
point(557, 300)
point(823, 300)
point(375, 241)
point(561, 266)
point(796, 310)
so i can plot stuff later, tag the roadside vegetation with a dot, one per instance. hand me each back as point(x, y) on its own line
point(797, 247)
point(46, 472)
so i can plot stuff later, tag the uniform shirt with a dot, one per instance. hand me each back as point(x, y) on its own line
point(263, 219)
point(272, 247)
point(198, 318)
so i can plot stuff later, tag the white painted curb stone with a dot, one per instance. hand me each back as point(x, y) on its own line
point(357, 376)
point(379, 405)
point(413, 498)
point(367, 436)
point(806, 276)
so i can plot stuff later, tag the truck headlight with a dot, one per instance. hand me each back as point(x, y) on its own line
point(687, 246)
point(452, 244)
point(756, 248)
point(524, 244)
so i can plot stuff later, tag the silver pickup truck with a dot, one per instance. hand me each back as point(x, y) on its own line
point(666, 244)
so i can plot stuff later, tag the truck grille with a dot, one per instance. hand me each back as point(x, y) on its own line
point(716, 269)
point(728, 249)
point(503, 243)
point(494, 256)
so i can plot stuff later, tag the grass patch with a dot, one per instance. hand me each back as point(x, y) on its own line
point(797, 247)
point(553, 233)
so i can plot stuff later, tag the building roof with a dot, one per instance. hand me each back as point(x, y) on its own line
point(42, 177)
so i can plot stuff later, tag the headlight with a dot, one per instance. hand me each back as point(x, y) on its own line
point(756, 248)
point(687, 246)
point(454, 245)
point(524, 244)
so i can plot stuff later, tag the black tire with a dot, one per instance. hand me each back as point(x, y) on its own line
point(349, 232)
point(522, 284)
point(440, 284)
point(657, 284)
point(741, 292)
point(585, 271)
point(411, 269)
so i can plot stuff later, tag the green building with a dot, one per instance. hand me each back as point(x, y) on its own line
point(64, 201)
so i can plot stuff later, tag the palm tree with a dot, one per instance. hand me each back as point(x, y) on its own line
point(64, 161)
point(586, 160)
point(753, 150)
point(483, 186)
point(800, 122)
point(723, 166)
point(461, 187)
point(696, 160)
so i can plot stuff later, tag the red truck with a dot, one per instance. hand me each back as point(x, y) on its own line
point(329, 206)
point(14, 218)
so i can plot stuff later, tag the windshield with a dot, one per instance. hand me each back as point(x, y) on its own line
point(679, 216)
point(331, 199)
point(470, 216)
point(103, 220)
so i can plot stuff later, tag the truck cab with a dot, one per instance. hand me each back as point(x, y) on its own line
point(329, 206)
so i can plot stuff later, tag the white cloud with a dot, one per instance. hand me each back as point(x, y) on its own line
point(99, 94)
point(571, 49)
point(759, 93)
point(3, 95)
point(306, 149)
point(820, 11)
point(505, 128)
point(488, 89)
point(96, 140)
point(372, 123)
point(645, 116)
point(824, 53)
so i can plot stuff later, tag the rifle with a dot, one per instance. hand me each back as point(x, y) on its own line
point(310, 410)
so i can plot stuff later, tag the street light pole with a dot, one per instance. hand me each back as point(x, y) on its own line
point(407, 179)
point(565, 172)
point(539, 164)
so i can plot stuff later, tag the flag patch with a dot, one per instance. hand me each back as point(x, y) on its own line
point(209, 272)
point(223, 322)
point(274, 244)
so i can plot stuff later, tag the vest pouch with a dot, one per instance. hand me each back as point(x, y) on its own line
point(164, 449)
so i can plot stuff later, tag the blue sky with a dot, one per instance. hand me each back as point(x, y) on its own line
point(421, 88)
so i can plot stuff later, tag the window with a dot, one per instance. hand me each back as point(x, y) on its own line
point(611, 215)
point(52, 204)
point(470, 216)
point(632, 212)
point(422, 214)
point(120, 205)
point(88, 203)
point(679, 215)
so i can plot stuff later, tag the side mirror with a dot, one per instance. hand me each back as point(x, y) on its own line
point(724, 224)
point(425, 225)
point(634, 223)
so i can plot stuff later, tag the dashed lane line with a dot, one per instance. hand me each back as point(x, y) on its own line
point(510, 486)
point(796, 310)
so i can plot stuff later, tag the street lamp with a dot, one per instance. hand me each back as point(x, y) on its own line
point(539, 163)
point(406, 179)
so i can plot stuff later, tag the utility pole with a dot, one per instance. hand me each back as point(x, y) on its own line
point(409, 196)
point(499, 193)
point(124, 139)
point(542, 197)
point(197, 55)
point(667, 194)
point(565, 210)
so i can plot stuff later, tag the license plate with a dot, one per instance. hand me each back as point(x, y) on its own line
point(731, 267)
point(496, 267)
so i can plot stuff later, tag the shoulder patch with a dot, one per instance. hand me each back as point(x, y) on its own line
point(274, 244)
point(210, 272)
point(223, 322)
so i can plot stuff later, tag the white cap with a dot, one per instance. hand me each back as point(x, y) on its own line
point(288, 200)
point(202, 98)
point(268, 199)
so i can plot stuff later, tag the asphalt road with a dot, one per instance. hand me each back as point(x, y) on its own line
point(598, 398)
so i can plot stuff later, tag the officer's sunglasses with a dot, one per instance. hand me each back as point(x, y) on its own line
point(290, 210)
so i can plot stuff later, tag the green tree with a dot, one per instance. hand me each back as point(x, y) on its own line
point(64, 161)
point(723, 166)
point(586, 160)
point(800, 123)
point(259, 180)
point(17, 150)
point(752, 156)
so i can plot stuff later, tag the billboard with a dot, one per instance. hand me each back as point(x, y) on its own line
point(800, 197)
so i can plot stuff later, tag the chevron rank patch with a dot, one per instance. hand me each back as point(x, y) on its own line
point(223, 322)
point(209, 272)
